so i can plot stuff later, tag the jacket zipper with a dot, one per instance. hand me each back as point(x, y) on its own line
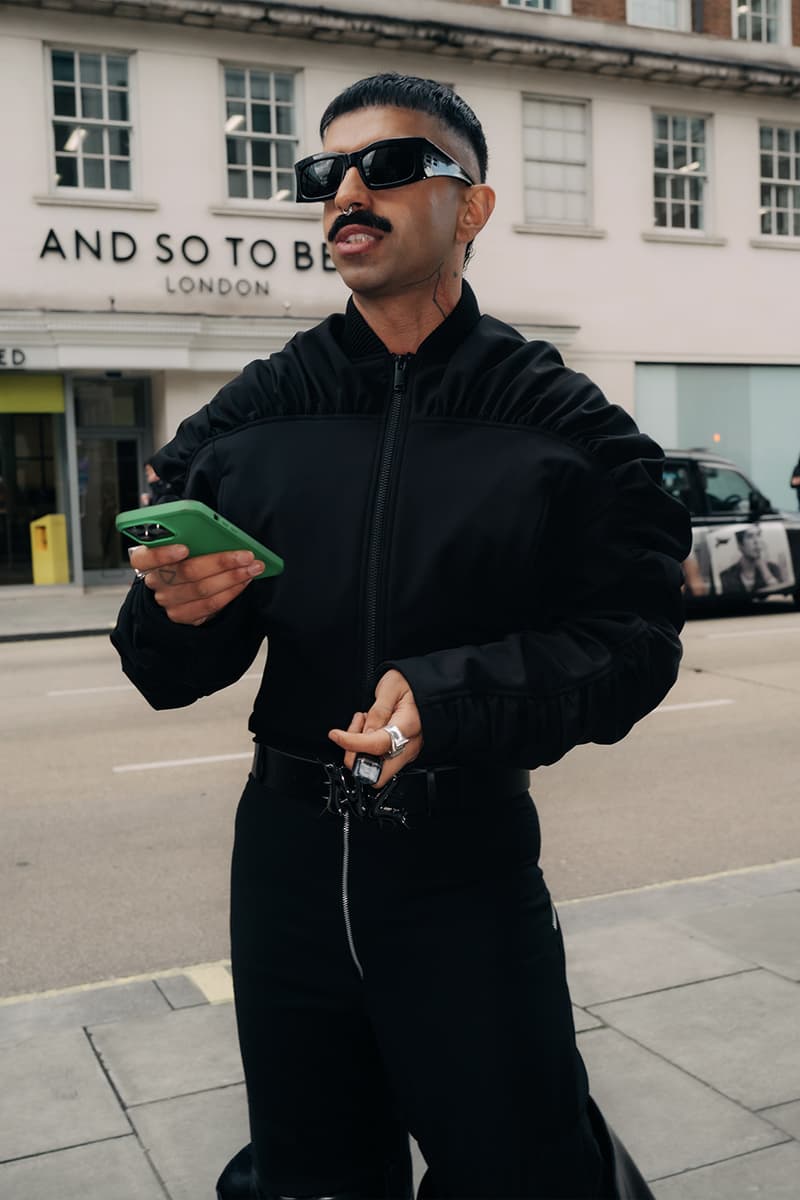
point(399, 385)
point(373, 577)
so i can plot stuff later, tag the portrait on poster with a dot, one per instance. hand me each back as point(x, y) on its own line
point(752, 558)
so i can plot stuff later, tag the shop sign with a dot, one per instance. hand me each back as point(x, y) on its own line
point(12, 356)
point(218, 259)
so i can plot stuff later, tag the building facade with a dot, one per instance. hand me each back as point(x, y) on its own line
point(646, 156)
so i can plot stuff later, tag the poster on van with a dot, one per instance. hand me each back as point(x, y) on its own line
point(749, 559)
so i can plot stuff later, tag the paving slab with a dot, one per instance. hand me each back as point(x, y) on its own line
point(114, 1170)
point(786, 1117)
point(768, 880)
point(765, 930)
point(180, 992)
point(91, 1006)
point(646, 904)
point(190, 1139)
point(584, 1020)
point(191, 1050)
point(669, 1121)
point(739, 1034)
point(631, 958)
point(54, 1094)
point(770, 1174)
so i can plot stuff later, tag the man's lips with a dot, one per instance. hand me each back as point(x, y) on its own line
point(356, 239)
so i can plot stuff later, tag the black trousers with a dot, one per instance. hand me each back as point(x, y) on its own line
point(405, 980)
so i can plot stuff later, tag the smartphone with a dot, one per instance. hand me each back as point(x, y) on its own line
point(195, 525)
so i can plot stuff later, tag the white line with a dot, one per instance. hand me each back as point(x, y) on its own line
point(744, 633)
point(117, 687)
point(115, 981)
point(214, 981)
point(180, 762)
point(696, 704)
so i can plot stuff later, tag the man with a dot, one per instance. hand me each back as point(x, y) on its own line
point(481, 573)
point(751, 572)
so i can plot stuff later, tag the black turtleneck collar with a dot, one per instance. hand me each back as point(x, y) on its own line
point(359, 340)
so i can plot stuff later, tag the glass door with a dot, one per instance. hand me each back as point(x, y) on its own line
point(108, 482)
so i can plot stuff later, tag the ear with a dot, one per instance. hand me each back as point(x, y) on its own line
point(478, 206)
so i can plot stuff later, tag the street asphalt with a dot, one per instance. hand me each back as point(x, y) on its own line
point(687, 1006)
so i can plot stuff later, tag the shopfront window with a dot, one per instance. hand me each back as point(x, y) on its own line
point(32, 466)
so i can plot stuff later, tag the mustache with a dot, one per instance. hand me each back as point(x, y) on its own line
point(364, 217)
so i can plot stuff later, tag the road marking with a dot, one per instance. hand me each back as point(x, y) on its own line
point(198, 969)
point(744, 633)
point(180, 762)
point(695, 704)
point(214, 980)
point(117, 687)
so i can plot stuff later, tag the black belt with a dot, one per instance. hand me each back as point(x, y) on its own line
point(416, 790)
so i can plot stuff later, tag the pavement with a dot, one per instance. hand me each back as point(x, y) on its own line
point(687, 1006)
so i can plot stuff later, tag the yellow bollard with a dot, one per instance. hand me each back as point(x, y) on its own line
point(49, 549)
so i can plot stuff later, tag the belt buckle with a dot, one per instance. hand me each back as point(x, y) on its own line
point(345, 794)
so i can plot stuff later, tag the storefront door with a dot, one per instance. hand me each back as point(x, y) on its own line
point(111, 422)
point(108, 479)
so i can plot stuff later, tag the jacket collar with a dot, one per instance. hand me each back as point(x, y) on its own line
point(359, 340)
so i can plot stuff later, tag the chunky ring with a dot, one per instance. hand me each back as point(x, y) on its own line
point(139, 574)
point(399, 740)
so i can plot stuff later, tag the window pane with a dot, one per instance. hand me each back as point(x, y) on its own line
point(91, 69)
point(285, 118)
point(259, 85)
point(661, 123)
point(117, 106)
point(93, 173)
point(234, 82)
point(237, 184)
point(260, 152)
point(286, 182)
point(237, 151)
point(117, 71)
point(63, 64)
point(61, 134)
point(678, 217)
point(284, 88)
point(679, 129)
point(261, 185)
point(695, 217)
point(66, 171)
point(679, 157)
point(93, 142)
point(766, 137)
point(660, 186)
point(662, 155)
point(766, 166)
point(92, 103)
point(285, 154)
point(784, 167)
point(120, 175)
point(262, 118)
point(64, 102)
point(119, 142)
point(784, 139)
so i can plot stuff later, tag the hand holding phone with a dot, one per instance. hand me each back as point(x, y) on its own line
point(194, 560)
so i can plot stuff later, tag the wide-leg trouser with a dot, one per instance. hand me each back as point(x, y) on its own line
point(405, 980)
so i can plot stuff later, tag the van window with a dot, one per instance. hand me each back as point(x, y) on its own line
point(726, 490)
point(678, 481)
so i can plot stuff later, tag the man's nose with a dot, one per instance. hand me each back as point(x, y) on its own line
point(352, 192)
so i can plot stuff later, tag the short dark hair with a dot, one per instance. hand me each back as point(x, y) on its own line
point(409, 91)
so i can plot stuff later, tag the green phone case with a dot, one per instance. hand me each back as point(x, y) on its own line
point(195, 525)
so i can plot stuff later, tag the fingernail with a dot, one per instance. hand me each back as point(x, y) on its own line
point(243, 558)
point(255, 568)
point(176, 552)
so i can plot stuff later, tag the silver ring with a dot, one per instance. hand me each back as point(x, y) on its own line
point(399, 740)
point(139, 574)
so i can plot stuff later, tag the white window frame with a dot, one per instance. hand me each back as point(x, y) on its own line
point(783, 17)
point(81, 191)
point(586, 106)
point(774, 182)
point(562, 8)
point(655, 172)
point(684, 18)
point(247, 136)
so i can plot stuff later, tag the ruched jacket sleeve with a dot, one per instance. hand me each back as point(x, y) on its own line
point(610, 649)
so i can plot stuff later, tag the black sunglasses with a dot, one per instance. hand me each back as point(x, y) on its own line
point(390, 163)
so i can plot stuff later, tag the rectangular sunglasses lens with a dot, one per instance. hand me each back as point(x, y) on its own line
point(391, 164)
point(319, 178)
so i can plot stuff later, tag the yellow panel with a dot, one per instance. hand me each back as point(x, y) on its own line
point(31, 394)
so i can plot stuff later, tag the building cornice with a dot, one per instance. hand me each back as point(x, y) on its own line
point(484, 34)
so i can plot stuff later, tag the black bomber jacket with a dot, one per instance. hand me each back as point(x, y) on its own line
point(476, 515)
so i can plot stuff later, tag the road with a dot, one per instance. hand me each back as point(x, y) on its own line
point(117, 821)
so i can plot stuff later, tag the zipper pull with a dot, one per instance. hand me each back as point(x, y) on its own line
point(400, 368)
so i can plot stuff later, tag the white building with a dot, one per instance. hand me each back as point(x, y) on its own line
point(647, 221)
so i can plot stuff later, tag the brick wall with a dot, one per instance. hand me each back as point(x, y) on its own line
point(717, 18)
